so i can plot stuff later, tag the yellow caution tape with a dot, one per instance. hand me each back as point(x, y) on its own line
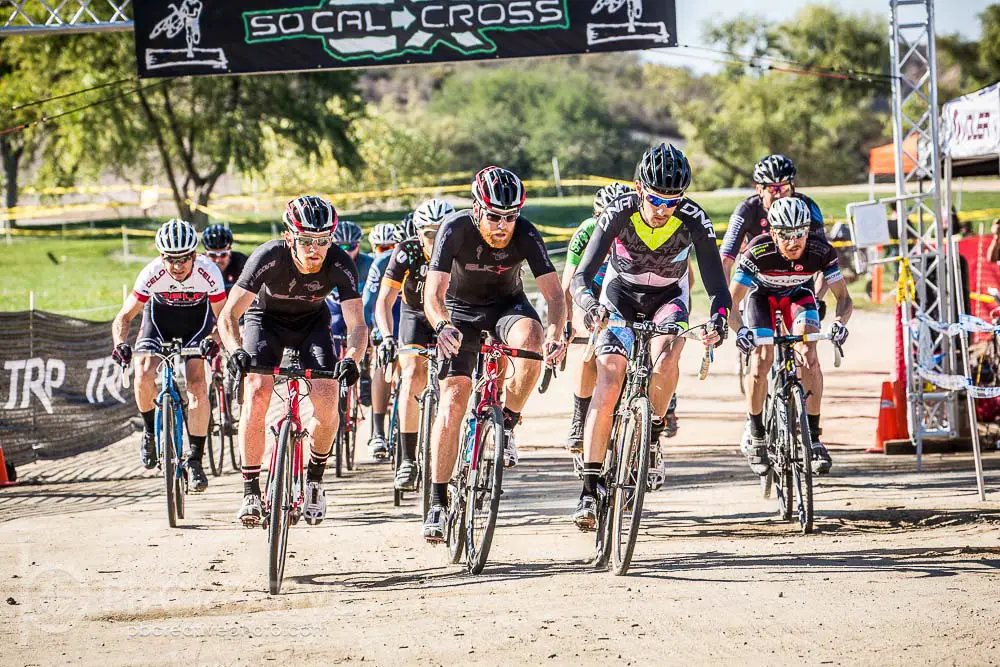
point(905, 287)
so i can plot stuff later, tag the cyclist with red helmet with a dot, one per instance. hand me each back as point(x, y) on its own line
point(280, 295)
point(474, 285)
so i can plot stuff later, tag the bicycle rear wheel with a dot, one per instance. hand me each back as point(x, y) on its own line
point(483, 492)
point(280, 501)
point(800, 447)
point(632, 450)
point(396, 450)
point(428, 412)
point(211, 438)
point(455, 529)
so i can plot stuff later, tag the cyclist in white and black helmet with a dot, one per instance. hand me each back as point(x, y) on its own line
point(405, 276)
point(649, 235)
point(281, 296)
point(217, 240)
point(474, 285)
point(180, 295)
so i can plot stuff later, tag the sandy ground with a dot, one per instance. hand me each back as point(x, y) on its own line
point(903, 567)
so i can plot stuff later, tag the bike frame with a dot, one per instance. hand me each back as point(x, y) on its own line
point(168, 387)
point(297, 434)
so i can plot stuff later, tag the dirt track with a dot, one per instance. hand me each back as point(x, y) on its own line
point(903, 567)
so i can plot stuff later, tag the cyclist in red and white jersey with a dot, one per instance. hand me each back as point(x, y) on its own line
point(180, 295)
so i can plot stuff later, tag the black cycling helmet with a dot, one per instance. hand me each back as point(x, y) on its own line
point(774, 169)
point(406, 228)
point(310, 215)
point(216, 237)
point(498, 190)
point(664, 169)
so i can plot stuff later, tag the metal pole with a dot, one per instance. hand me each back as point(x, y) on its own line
point(967, 372)
point(555, 175)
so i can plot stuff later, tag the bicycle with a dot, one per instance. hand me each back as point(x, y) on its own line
point(221, 424)
point(346, 440)
point(428, 401)
point(475, 490)
point(789, 440)
point(626, 463)
point(284, 488)
point(169, 426)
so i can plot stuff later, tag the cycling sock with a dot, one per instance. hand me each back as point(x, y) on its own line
point(317, 466)
point(251, 480)
point(197, 447)
point(378, 424)
point(441, 494)
point(409, 446)
point(813, 426)
point(149, 420)
point(757, 425)
point(580, 408)
point(510, 419)
point(591, 476)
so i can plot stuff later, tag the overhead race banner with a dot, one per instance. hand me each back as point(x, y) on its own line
point(205, 37)
point(971, 124)
point(60, 392)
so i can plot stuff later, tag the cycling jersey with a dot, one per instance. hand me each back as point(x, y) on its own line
point(482, 275)
point(202, 285)
point(647, 264)
point(763, 265)
point(363, 265)
point(231, 274)
point(373, 284)
point(407, 272)
point(577, 244)
point(284, 292)
point(749, 221)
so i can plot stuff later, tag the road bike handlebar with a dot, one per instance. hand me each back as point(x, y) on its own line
point(838, 351)
point(665, 329)
point(173, 350)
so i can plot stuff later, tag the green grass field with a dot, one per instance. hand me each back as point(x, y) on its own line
point(83, 275)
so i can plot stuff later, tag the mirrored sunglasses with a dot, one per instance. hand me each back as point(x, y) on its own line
point(306, 241)
point(657, 201)
point(177, 261)
point(779, 188)
point(217, 254)
point(791, 234)
point(348, 247)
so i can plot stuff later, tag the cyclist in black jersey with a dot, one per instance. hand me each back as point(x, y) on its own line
point(775, 273)
point(474, 285)
point(281, 296)
point(650, 236)
point(218, 243)
point(407, 273)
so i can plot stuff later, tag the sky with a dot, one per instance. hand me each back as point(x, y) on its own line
point(950, 16)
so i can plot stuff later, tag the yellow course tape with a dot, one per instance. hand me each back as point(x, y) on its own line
point(905, 287)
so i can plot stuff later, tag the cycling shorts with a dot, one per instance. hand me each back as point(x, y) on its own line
point(161, 323)
point(798, 310)
point(266, 337)
point(413, 328)
point(671, 308)
point(498, 319)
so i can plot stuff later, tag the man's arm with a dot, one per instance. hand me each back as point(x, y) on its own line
point(357, 331)
point(240, 299)
point(993, 252)
point(123, 320)
point(738, 292)
point(712, 275)
point(435, 290)
point(733, 238)
point(593, 258)
point(555, 303)
point(845, 304)
point(567, 282)
point(383, 307)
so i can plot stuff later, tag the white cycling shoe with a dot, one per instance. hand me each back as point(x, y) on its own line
point(314, 510)
point(510, 456)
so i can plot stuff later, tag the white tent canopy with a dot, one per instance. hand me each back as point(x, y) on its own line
point(970, 130)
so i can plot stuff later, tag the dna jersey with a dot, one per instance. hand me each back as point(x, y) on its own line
point(763, 265)
point(204, 284)
point(749, 221)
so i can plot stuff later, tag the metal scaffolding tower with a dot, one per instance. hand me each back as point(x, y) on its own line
point(59, 17)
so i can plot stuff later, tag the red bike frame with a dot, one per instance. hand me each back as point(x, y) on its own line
point(297, 434)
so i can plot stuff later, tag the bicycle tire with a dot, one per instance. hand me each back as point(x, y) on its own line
point(632, 450)
point(338, 442)
point(397, 452)
point(455, 528)
point(280, 510)
point(210, 439)
point(352, 430)
point(802, 461)
point(482, 503)
point(778, 450)
point(428, 412)
point(235, 456)
point(166, 446)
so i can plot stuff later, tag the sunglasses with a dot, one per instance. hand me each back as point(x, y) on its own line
point(177, 261)
point(217, 254)
point(348, 247)
point(429, 233)
point(307, 241)
point(657, 201)
point(778, 188)
point(507, 218)
point(384, 248)
point(791, 234)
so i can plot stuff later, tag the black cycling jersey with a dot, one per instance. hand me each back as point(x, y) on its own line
point(237, 261)
point(749, 221)
point(645, 263)
point(407, 272)
point(482, 275)
point(762, 265)
point(285, 293)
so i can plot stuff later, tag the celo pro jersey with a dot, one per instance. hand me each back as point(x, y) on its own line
point(577, 244)
point(647, 263)
point(749, 221)
point(407, 272)
point(203, 285)
point(762, 265)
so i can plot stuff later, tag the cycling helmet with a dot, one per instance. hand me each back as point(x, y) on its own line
point(310, 215)
point(774, 169)
point(498, 190)
point(382, 234)
point(176, 238)
point(347, 232)
point(664, 169)
point(608, 194)
point(216, 237)
point(431, 213)
point(789, 213)
point(405, 228)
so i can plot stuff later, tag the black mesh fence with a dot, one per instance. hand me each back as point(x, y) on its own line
point(60, 392)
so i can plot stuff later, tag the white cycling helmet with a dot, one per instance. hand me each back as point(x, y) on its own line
point(789, 214)
point(608, 194)
point(176, 238)
point(382, 234)
point(431, 213)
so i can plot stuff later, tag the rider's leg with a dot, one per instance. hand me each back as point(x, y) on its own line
point(325, 395)
point(146, 366)
point(455, 393)
point(413, 379)
point(586, 378)
point(526, 334)
point(760, 366)
point(666, 371)
point(380, 402)
point(256, 399)
point(197, 395)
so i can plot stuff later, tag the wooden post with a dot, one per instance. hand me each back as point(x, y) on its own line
point(555, 175)
point(877, 283)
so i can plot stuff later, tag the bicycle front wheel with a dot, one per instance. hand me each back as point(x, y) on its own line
point(351, 433)
point(632, 450)
point(280, 501)
point(800, 447)
point(455, 528)
point(165, 443)
point(212, 438)
point(428, 412)
point(482, 503)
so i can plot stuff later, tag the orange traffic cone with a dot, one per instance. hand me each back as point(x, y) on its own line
point(4, 481)
point(888, 428)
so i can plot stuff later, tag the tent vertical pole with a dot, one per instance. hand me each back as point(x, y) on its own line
point(970, 401)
